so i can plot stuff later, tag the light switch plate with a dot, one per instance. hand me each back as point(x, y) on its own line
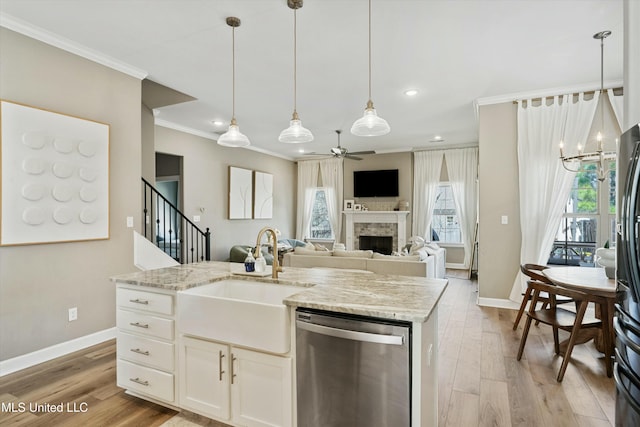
point(130, 222)
point(196, 218)
point(505, 220)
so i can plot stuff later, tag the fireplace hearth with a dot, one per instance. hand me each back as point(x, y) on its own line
point(380, 244)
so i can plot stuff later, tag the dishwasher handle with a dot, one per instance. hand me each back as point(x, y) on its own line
point(351, 335)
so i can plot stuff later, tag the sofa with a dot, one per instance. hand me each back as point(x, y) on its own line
point(409, 265)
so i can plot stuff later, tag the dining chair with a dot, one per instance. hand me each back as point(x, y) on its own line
point(574, 323)
point(534, 271)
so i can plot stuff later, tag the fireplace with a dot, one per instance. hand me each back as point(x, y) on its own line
point(376, 223)
point(380, 244)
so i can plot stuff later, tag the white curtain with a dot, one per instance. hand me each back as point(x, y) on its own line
point(462, 167)
point(333, 181)
point(426, 177)
point(544, 183)
point(617, 103)
point(307, 184)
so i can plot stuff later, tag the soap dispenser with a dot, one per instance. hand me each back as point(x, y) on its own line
point(261, 264)
point(249, 263)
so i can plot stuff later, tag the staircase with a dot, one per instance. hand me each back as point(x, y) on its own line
point(170, 230)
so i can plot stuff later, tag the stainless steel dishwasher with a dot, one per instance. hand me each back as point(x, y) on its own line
point(352, 371)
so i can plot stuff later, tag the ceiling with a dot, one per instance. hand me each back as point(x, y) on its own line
point(453, 52)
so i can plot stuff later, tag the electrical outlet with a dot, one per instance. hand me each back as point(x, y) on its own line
point(73, 314)
point(196, 218)
point(505, 220)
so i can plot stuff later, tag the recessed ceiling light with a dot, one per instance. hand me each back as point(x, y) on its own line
point(301, 150)
point(437, 138)
point(411, 92)
point(217, 122)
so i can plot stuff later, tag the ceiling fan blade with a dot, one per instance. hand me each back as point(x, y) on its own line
point(362, 152)
point(352, 157)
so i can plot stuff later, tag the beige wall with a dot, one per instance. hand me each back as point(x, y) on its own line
point(499, 245)
point(401, 161)
point(39, 283)
point(206, 173)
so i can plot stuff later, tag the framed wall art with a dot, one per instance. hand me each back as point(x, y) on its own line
point(262, 195)
point(348, 205)
point(55, 177)
point(240, 193)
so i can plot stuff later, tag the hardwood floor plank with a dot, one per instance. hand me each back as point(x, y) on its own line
point(522, 390)
point(463, 409)
point(492, 361)
point(494, 404)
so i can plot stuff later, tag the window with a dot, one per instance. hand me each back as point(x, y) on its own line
point(320, 227)
point(445, 225)
point(589, 218)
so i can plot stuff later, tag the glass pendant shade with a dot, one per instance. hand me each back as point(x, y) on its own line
point(370, 124)
point(295, 133)
point(233, 137)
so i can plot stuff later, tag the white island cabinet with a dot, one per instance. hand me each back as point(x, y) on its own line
point(231, 384)
point(145, 319)
point(241, 386)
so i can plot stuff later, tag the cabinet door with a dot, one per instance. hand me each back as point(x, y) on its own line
point(261, 389)
point(204, 377)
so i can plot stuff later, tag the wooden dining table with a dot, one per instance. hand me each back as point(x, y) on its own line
point(590, 280)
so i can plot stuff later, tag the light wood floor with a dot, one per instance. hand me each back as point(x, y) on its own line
point(480, 381)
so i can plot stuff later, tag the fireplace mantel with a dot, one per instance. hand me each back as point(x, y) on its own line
point(394, 217)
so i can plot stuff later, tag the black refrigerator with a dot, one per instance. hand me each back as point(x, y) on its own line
point(627, 319)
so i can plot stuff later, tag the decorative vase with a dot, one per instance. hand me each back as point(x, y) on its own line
point(606, 257)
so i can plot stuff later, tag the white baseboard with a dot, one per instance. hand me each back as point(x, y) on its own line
point(39, 356)
point(455, 266)
point(498, 303)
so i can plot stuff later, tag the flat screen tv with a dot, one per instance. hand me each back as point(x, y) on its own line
point(377, 183)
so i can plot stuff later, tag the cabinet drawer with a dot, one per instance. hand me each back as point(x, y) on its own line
point(145, 301)
point(144, 324)
point(145, 380)
point(149, 352)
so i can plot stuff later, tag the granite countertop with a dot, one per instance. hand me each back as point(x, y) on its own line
point(363, 293)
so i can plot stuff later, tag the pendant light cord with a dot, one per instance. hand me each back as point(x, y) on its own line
point(295, 60)
point(369, 50)
point(602, 85)
point(233, 74)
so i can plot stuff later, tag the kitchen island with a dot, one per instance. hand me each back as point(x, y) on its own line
point(152, 297)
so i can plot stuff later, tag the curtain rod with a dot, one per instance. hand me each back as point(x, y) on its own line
point(589, 92)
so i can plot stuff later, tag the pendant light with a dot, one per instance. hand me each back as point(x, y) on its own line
point(370, 124)
point(295, 133)
point(233, 137)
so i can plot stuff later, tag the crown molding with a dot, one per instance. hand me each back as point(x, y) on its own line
point(542, 93)
point(213, 137)
point(37, 33)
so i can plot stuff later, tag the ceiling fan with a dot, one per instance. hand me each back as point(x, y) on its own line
point(342, 152)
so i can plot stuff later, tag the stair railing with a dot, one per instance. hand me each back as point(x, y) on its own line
point(170, 230)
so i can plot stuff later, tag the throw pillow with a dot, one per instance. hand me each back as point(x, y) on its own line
point(433, 245)
point(353, 254)
point(305, 251)
point(321, 248)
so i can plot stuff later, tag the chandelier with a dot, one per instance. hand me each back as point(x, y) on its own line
point(599, 157)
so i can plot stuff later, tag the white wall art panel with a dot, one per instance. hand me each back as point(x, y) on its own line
point(263, 195)
point(55, 177)
point(240, 193)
